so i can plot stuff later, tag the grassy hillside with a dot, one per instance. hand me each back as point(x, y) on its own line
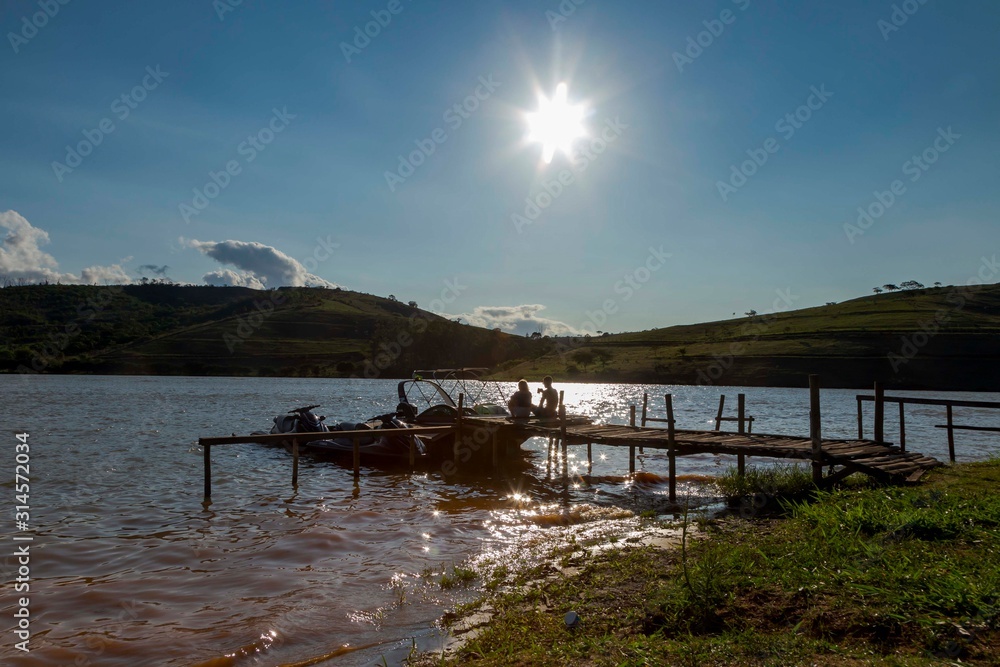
point(941, 338)
point(168, 329)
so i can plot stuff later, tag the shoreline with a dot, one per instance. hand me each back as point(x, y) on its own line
point(901, 575)
point(579, 379)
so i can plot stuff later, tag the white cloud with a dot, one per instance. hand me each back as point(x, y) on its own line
point(264, 264)
point(230, 278)
point(519, 320)
point(21, 257)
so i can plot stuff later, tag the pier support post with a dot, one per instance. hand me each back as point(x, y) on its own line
point(562, 435)
point(590, 457)
point(631, 448)
point(295, 461)
point(879, 412)
point(718, 416)
point(951, 437)
point(861, 428)
point(902, 429)
point(645, 402)
point(207, 449)
point(458, 426)
point(357, 457)
point(671, 435)
point(672, 455)
point(741, 459)
point(815, 430)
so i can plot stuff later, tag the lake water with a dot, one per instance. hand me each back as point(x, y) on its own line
point(129, 567)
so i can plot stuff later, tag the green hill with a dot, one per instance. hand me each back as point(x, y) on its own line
point(940, 338)
point(202, 330)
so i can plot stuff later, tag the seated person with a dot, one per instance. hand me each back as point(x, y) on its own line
point(520, 401)
point(548, 406)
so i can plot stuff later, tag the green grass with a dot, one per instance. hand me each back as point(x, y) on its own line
point(888, 576)
point(777, 481)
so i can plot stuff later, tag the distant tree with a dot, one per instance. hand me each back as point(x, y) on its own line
point(411, 304)
point(751, 314)
point(535, 335)
point(877, 290)
point(584, 358)
point(937, 284)
point(890, 287)
point(603, 356)
point(392, 297)
point(831, 303)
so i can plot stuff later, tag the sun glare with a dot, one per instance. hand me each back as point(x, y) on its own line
point(556, 124)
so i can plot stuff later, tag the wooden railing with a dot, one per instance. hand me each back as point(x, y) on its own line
point(880, 399)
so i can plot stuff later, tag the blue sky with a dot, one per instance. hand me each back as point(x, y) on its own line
point(651, 227)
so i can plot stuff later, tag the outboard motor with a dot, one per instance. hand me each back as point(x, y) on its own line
point(406, 412)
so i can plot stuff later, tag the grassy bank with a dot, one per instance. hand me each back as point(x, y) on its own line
point(893, 576)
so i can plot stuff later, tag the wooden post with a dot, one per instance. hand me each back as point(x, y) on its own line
point(645, 401)
point(672, 454)
point(815, 433)
point(741, 459)
point(357, 456)
point(295, 461)
point(631, 416)
point(861, 429)
point(902, 428)
point(590, 457)
point(458, 426)
point(951, 437)
point(631, 448)
point(671, 435)
point(562, 434)
point(879, 412)
point(741, 404)
point(207, 449)
point(718, 417)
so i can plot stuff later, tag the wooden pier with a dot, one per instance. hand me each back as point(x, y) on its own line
point(484, 442)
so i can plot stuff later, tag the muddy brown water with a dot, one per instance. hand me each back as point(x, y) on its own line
point(129, 567)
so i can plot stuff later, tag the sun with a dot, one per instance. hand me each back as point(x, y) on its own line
point(556, 124)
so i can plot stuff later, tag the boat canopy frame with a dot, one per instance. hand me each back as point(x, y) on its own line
point(445, 384)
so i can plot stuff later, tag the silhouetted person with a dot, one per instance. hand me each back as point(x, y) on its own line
point(548, 406)
point(520, 404)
